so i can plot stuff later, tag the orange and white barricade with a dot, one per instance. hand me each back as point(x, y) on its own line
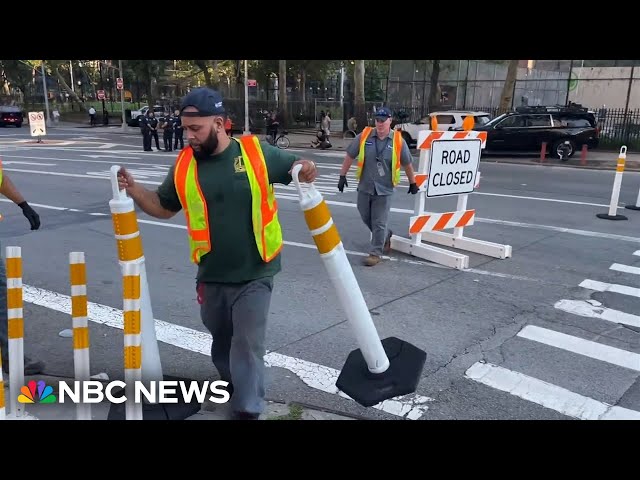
point(449, 162)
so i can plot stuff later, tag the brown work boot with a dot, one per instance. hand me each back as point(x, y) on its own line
point(371, 260)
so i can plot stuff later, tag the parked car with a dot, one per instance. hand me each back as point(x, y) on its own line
point(447, 120)
point(10, 115)
point(136, 115)
point(526, 129)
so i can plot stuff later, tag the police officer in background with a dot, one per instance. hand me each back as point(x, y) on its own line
point(167, 122)
point(152, 123)
point(177, 130)
point(146, 133)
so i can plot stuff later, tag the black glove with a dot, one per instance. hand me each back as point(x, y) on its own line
point(31, 215)
point(413, 188)
point(342, 183)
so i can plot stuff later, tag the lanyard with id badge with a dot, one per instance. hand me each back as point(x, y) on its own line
point(380, 155)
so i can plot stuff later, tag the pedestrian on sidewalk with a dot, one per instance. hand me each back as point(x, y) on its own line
point(224, 185)
point(380, 153)
point(9, 190)
point(92, 116)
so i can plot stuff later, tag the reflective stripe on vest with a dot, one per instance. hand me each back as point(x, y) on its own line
point(185, 178)
point(266, 227)
point(395, 154)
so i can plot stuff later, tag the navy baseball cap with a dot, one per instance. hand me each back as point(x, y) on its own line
point(383, 112)
point(207, 101)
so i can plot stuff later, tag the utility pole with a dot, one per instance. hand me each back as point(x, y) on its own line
point(246, 100)
point(46, 96)
point(124, 122)
point(73, 88)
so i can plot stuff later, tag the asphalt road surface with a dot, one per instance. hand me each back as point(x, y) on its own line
point(553, 332)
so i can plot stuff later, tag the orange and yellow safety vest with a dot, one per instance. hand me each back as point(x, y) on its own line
point(395, 154)
point(266, 226)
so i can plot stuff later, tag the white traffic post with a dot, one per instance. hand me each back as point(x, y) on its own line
point(327, 240)
point(3, 413)
point(80, 325)
point(125, 225)
point(15, 328)
point(615, 194)
point(637, 205)
point(132, 342)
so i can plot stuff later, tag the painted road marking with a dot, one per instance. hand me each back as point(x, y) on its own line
point(610, 287)
point(593, 309)
point(625, 268)
point(316, 376)
point(595, 350)
point(546, 394)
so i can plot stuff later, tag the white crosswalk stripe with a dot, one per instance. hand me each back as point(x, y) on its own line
point(556, 397)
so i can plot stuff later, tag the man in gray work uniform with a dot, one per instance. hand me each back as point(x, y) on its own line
point(376, 178)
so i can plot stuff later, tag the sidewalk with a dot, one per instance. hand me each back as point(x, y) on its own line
point(208, 411)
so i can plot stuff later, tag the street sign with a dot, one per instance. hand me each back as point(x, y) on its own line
point(252, 83)
point(119, 83)
point(453, 166)
point(101, 95)
point(37, 124)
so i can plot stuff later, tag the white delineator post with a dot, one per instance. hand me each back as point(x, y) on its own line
point(3, 413)
point(132, 341)
point(327, 240)
point(615, 193)
point(15, 328)
point(125, 225)
point(80, 325)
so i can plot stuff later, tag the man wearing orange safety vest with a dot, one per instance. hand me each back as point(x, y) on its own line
point(9, 190)
point(380, 153)
point(224, 187)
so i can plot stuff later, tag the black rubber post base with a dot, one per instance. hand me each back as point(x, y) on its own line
point(632, 207)
point(606, 216)
point(401, 378)
point(157, 411)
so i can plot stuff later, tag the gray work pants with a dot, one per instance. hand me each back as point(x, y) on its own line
point(236, 316)
point(374, 210)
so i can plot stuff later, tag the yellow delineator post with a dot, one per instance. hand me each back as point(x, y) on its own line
point(615, 194)
point(378, 370)
point(3, 413)
point(125, 226)
point(80, 323)
point(15, 314)
point(132, 340)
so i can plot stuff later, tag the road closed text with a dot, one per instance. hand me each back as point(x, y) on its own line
point(453, 167)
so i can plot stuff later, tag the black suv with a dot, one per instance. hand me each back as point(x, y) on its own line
point(526, 129)
point(10, 116)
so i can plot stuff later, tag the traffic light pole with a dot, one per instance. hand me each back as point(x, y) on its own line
point(124, 121)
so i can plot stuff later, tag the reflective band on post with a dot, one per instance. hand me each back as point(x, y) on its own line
point(78, 274)
point(317, 216)
point(79, 306)
point(14, 267)
point(80, 337)
point(125, 223)
point(16, 328)
point(132, 357)
point(327, 240)
point(132, 322)
point(14, 298)
point(130, 249)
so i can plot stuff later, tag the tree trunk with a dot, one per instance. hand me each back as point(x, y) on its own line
point(506, 99)
point(282, 91)
point(434, 89)
point(150, 96)
point(359, 107)
point(202, 65)
point(72, 95)
point(303, 87)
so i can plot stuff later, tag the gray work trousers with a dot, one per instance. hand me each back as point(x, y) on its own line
point(236, 316)
point(374, 210)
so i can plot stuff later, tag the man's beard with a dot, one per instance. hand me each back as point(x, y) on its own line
point(207, 147)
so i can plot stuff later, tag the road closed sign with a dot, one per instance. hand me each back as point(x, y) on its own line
point(37, 124)
point(453, 167)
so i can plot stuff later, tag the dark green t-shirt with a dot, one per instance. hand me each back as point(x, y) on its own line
point(234, 256)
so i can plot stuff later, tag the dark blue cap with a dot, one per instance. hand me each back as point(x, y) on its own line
point(383, 112)
point(207, 101)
